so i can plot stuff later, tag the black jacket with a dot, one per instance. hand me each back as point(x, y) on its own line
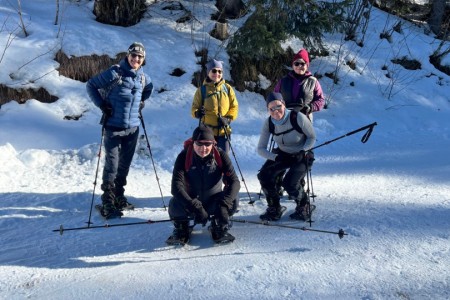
point(205, 178)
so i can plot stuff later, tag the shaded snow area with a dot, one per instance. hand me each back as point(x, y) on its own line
point(390, 195)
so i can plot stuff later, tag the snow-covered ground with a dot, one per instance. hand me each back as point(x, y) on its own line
point(391, 195)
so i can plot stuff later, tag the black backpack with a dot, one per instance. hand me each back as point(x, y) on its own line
point(294, 123)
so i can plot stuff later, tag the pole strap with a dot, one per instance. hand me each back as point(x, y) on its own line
point(364, 139)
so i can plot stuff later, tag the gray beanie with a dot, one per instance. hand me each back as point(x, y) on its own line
point(274, 96)
point(137, 48)
point(214, 64)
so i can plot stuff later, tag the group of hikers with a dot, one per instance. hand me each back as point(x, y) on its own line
point(204, 184)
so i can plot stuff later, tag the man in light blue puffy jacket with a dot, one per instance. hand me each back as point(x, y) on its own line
point(125, 89)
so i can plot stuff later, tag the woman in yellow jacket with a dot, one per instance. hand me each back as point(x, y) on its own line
point(215, 104)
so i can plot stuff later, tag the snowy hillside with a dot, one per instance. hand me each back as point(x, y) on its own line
point(391, 195)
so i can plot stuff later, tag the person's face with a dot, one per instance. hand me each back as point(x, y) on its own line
point(276, 109)
point(203, 147)
point(135, 60)
point(300, 67)
point(215, 74)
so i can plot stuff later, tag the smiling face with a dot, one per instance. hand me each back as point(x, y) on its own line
point(300, 67)
point(215, 75)
point(203, 148)
point(135, 60)
point(276, 109)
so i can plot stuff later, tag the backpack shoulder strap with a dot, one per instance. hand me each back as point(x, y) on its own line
point(271, 126)
point(294, 123)
point(203, 91)
point(217, 157)
point(189, 153)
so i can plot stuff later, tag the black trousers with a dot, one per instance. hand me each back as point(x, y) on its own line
point(269, 172)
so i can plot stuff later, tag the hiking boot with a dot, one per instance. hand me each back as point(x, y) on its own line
point(121, 202)
point(109, 211)
point(180, 235)
point(220, 234)
point(303, 212)
point(273, 213)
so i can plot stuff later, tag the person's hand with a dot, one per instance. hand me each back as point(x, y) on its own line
point(201, 215)
point(224, 121)
point(309, 156)
point(199, 113)
point(306, 109)
point(299, 156)
point(107, 109)
point(141, 106)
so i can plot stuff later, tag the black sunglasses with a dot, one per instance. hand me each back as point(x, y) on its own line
point(216, 71)
point(297, 63)
point(207, 144)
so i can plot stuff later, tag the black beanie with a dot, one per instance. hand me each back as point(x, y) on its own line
point(274, 96)
point(203, 133)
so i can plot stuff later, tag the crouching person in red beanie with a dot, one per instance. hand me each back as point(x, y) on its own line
point(205, 188)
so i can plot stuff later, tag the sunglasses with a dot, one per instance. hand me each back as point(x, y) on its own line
point(216, 71)
point(133, 55)
point(276, 108)
point(297, 63)
point(207, 144)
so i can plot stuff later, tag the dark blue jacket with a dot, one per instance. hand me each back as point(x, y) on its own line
point(125, 95)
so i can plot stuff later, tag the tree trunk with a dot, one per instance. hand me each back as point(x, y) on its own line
point(119, 12)
point(437, 13)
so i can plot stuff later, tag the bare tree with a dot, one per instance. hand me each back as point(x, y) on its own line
point(19, 11)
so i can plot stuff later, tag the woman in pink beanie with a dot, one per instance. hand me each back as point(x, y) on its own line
point(301, 91)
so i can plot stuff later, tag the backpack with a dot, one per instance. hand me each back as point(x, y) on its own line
point(104, 92)
point(203, 91)
point(294, 123)
point(188, 146)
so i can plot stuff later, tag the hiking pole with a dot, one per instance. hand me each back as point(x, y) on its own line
point(271, 145)
point(151, 157)
point(62, 229)
point(340, 233)
point(235, 159)
point(364, 139)
point(103, 121)
point(309, 183)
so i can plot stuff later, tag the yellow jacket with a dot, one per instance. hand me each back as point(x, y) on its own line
point(217, 102)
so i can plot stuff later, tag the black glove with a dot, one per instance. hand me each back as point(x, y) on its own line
point(141, 106)
point(224, 121)
point(309, 156)
point(201, 215)
point(283, 157)
point(306, 110)
point(199, 113)
point(299, 156)
point(107, 109)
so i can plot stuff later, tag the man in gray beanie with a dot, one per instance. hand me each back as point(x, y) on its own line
point(128, 87)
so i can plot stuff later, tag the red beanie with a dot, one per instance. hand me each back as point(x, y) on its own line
point(302, 54)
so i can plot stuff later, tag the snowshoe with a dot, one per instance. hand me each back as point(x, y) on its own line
point(108, 211)
point(273, 213)
point(181, 235)
point(121, 203)
point(303, 213)
point(220, 234)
